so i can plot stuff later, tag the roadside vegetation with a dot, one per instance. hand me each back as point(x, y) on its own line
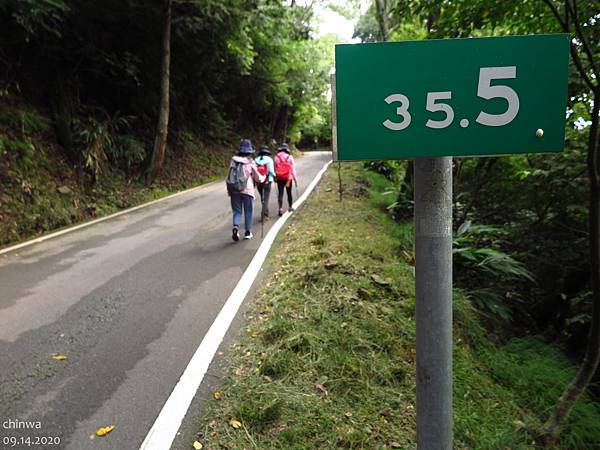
point(327, 359)
point(41, 191)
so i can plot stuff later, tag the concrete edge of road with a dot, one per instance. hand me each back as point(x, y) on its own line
point(45, 237)
point(167, 424)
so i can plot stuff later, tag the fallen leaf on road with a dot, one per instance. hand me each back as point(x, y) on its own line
point(197, 445)
point(103, 431)
point(235, 423)
point(59, 357)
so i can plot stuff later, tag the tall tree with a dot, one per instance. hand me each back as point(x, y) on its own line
point(160, 139)
point(383, 19)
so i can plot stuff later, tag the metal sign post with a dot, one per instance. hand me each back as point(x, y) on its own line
point(433, 282)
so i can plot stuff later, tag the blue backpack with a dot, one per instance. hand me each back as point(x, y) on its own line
point(237, 178)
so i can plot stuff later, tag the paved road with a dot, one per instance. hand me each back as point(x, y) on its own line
point(127, 301)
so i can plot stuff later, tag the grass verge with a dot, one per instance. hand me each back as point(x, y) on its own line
point(328, 356)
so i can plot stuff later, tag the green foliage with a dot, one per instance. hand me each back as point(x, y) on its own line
point(27, 122)
point(492, 262)
point(390, 169)
point(39, 17)
point(235, 65)
point(488, 273)
point(101, 142)
point(536, 374)
point(95, 139)
point(367, 28)
point(128, 152)
point(20, 152)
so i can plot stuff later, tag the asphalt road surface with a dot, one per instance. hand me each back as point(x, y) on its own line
point(127, 301)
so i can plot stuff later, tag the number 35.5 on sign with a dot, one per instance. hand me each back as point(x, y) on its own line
point(435, 103)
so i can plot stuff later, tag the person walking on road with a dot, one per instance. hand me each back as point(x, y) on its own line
point(266, 167)
point(285, 172)
point(243, 173)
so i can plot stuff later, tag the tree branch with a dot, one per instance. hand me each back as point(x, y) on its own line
point(582, 37)
point(563, 25)
point(574, 54)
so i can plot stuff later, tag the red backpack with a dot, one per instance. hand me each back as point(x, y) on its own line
point(263, 169)
point(283, 169)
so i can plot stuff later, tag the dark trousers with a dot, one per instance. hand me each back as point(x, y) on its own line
point(281, 185)
point(265, 193)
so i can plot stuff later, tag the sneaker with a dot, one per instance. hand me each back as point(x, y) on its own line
point(235, 236)
point(248, 235)
point(280, 212)
point(290, 209)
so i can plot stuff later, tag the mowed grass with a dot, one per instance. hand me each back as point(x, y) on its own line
point(327, 359)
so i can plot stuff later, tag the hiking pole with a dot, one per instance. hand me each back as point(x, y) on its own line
point(296, 183)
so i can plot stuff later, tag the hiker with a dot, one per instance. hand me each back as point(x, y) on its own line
point(285, 173)
point(243, 173)
point(266, 167)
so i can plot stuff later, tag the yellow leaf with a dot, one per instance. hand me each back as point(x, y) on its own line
point(254, 333)
point(217, 395)
point(197, 445)
point(103, 431)
point(235, 423)
point(59, 357)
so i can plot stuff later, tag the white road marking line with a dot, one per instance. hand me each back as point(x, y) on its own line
point(166, 425)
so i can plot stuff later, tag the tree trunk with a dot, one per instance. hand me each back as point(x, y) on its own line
point(382, 19)
point(63, 107)
point(285, 123)
point(160, 140)
point(551, 429)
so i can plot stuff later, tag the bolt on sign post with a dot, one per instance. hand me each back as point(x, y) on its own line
point(431, 100)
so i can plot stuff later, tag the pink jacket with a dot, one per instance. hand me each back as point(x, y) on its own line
point(284, 155)
point(251, 171)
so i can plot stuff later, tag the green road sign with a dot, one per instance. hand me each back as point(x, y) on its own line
point(451, 97)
